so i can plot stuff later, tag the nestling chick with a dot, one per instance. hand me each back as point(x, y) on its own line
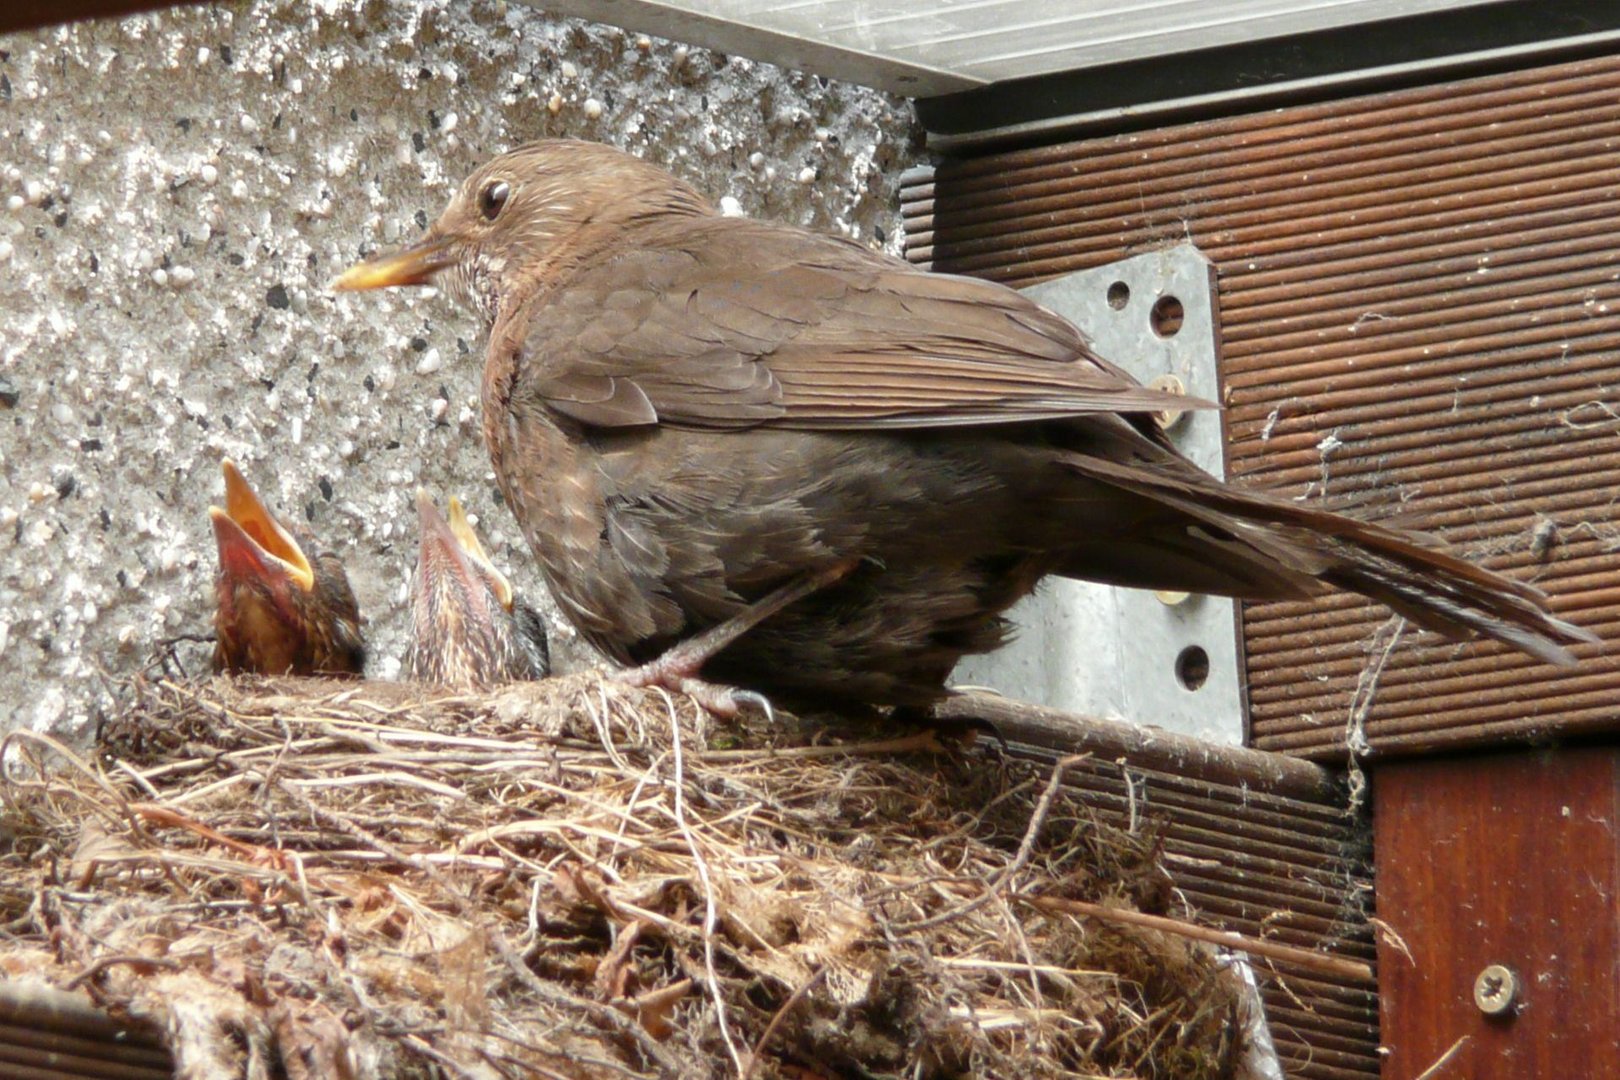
point(468, 628)
point(280, 612)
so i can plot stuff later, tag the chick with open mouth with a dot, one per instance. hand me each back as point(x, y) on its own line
point(280, 611)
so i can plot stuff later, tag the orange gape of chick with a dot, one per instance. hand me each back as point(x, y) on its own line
point(281, 610)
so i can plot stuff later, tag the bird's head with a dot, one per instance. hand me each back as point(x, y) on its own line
point(467, 625)
point(523, 216)
point(279, 609)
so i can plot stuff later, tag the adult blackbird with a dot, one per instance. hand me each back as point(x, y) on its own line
point(278, 611)
point(468, 628)
point(832, 468)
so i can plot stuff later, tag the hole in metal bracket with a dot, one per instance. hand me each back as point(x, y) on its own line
point(1167, 316)
point(1119, 294)
point(1192, 667)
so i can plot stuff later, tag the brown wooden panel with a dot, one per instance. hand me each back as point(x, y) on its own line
point(1508, 859)
point(1420, 304)
point(47, 1034)
point(1254, 842)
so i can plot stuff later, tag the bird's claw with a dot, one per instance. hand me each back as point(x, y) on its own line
point(717, 699)
point(757, 700)
point(725, 702)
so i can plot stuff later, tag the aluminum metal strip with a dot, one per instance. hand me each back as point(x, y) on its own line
point(1163, 661)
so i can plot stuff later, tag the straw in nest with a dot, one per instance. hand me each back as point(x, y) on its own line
point(577, 879)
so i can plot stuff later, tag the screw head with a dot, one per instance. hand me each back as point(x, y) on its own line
point(1170, 384)
point(1496, 991)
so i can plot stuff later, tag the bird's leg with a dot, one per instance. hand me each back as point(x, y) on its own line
point(678, 667)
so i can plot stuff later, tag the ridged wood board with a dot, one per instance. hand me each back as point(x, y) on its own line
point(1289, 869)
point(1420, 309)
point(47, 1034)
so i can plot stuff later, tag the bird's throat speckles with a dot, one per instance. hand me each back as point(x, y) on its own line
point(461, 285)
point(475, 282)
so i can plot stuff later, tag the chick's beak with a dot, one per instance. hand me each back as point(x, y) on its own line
point(250, 540)
point(415, 265)
point(433, 525)
point(463, 530)
point(458, 549)
point(441, 560)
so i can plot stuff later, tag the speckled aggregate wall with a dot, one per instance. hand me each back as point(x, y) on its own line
point(178, 188)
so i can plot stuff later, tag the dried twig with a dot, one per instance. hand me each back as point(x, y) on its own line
point(1025, 848)
point(1318, 962)
point(603, 1014)
point(1444, 1059)
point(777, 1018)
point(102, 963)
point(711, 912)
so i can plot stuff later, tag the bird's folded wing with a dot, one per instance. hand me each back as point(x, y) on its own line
point(743, 323)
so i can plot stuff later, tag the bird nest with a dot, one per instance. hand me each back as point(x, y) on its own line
point(574, 878)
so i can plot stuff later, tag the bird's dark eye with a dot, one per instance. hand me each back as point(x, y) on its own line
point(493, 197)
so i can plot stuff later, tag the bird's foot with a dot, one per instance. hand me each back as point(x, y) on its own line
point(717, 699)
point(677, 669)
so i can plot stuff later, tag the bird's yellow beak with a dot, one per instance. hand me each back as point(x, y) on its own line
point(463, 531)
point(250, 539)
point(415, 265)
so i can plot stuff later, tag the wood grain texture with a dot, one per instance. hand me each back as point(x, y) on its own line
point(49, 1034)
point(1509, 859)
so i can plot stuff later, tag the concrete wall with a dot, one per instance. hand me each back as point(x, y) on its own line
point(177, 189)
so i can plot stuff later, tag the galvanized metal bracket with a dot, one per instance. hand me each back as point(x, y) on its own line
point(1147, 658)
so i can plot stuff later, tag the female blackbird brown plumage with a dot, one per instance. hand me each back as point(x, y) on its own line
point(468, 628)
point(279, 612)
point(696, 418)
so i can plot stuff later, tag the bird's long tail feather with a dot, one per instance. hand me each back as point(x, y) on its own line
point(1401, 569)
